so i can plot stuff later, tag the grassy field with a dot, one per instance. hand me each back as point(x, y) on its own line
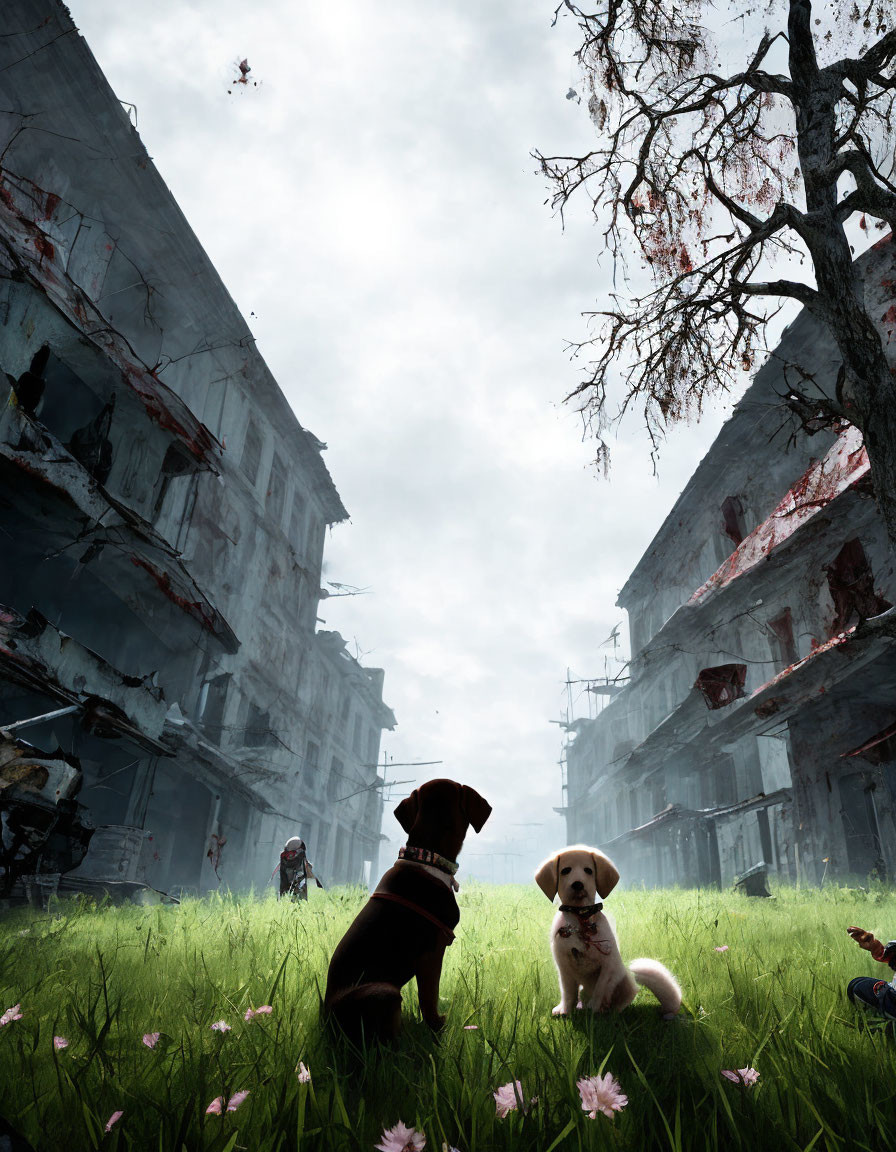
point(774, 1000)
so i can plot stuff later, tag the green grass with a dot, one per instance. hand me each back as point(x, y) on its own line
point(775, 1000)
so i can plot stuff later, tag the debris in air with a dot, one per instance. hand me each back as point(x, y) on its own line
point(244, 68)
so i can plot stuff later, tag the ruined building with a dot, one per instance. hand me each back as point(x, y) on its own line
point(162, 516)
point(757, 723)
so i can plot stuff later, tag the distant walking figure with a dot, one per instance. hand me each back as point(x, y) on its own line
point(295, 870)
point(879, 995)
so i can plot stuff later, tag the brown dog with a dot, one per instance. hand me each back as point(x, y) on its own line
point(406, 925)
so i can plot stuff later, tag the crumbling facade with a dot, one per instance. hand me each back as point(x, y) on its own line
point(163, 516)
point(758, 721)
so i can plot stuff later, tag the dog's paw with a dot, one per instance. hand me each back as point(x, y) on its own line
point(599, 1007)
point(436, 1023)
point(560, 1010)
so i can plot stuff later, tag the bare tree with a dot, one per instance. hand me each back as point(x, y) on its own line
point(716, 181)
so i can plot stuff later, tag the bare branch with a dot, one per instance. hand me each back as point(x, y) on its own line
point(792, 288)
point(869, 196)
point(867, 68)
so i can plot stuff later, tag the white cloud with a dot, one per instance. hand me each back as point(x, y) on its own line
point(374, 202)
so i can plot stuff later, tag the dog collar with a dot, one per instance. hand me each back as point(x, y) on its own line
point(425, 856)
point(582, 913)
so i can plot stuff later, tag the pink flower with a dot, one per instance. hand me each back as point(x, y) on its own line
point(746, 1077)
point(113, 1119)
point(401, 1139)
point(722, 948)
point(471, 1027)
point(150, 1039)
point(264, 1010)
point(220, 1026)
point(601, 1094)
point(14, 1013)
point(217, 1106)
point(303, 1074)
point(508, 1097)
point(60, 1042)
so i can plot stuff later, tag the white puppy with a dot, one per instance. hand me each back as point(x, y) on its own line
point(583, 941)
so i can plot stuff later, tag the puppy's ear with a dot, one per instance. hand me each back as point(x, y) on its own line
point(548, 874)
point(406, 811)
point(476, 810)
point(606, 873)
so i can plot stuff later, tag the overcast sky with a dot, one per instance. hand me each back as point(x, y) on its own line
point(374, 203)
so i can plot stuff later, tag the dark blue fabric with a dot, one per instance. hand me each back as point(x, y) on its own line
point(875, 994)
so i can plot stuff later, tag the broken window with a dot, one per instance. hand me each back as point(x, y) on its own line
point(722, 685)
point(783, 641)
point(733, 519)
point(251, 454)
point(67, 403)
point(212, 700)
point(258, 732)
point(277, 491)
point(851, 584)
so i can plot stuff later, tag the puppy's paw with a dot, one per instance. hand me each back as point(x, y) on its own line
point(560, 1010)
point(437, 1022)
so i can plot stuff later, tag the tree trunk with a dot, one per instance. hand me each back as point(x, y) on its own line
point(870, 389)
point(878, 424)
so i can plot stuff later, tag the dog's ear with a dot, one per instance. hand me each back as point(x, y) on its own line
point(406, 811)
point(606, 872)
point(548, 874)
point(476, 810)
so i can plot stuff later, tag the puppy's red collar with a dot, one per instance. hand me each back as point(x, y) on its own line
point(425, 856)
